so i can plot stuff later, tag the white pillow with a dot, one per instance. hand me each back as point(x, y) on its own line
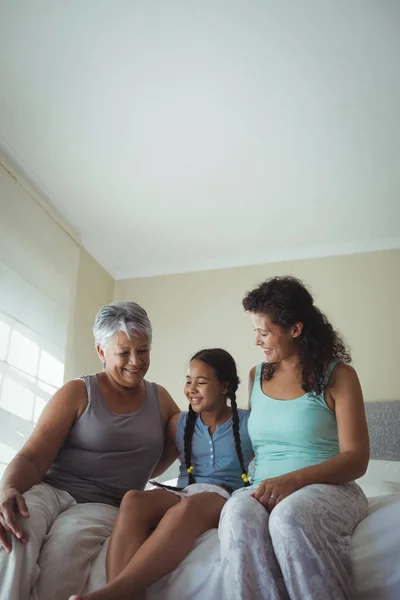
point(380, 488)
point(382, 478)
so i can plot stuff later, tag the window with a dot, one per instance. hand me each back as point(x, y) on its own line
point(38, 272)
point(30, 372)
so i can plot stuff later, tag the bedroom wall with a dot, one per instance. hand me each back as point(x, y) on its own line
point(359, 292)
point(50, 290)
point(94, 288)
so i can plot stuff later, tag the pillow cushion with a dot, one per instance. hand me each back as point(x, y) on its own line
point(382, 478)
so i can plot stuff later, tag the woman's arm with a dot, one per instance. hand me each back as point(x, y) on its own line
point(350, 463)
point(353, 459)
point(170, 453)
point(29, 466)
point(252, 375)
point(31, 463)
point(170, 415)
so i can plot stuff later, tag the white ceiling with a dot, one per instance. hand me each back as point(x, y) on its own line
point(177, 135)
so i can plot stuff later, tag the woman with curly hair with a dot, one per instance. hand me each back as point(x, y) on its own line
point(289, 534)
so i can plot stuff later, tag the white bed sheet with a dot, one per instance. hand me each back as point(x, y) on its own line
point(197, 577)
point(375, 553)
point(376, 550)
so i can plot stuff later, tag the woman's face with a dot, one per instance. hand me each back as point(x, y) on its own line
point(278, 344)
point(203, 389)
point(127, 359)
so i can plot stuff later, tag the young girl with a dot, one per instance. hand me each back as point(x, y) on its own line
point(214, 450)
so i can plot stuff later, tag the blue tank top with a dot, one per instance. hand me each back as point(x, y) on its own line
point(214, 457)
point(288, 435)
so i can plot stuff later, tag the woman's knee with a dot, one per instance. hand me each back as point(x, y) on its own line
point(242, 505)
point(242, 511)
point(297, 512)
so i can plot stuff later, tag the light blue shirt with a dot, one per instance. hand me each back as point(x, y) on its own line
point(214, 457)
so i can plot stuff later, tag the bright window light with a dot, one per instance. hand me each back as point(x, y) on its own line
point(4, 337)
point(23, 354)
point(29, 376)
point(6, 453)
point(17, 399)
point(51, 370)
point(39, 406)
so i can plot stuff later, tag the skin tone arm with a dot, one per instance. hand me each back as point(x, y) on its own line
point(32, 462)
point(170, 415)
point(252, 375)
point(350, 463)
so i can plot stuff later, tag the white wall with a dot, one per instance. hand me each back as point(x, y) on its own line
point(50, 291)
point(94, 288)
point(359, 292)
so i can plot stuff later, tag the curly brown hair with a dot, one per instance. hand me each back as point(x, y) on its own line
point(286, 301)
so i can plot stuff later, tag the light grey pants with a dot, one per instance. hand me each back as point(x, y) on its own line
point(64, 538)
point(301, 550)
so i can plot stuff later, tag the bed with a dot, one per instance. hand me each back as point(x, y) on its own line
point(376, 540)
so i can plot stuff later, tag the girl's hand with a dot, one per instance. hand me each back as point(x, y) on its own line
point(272, 491)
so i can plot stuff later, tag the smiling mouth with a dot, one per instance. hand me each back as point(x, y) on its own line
point(195, 400)
point(132, 371)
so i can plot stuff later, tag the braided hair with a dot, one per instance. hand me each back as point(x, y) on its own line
point(187, 442)
point(224, 367)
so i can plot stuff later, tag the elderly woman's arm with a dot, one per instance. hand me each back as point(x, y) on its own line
point(32, 462)
point(170, 415)
point(350, 463)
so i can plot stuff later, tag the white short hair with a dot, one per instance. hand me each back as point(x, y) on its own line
point(127, 317)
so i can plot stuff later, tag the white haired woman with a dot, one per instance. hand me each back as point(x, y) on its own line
point(98, 437)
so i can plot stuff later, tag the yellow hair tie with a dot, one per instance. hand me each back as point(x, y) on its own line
point(245, 477)
point(190, 469)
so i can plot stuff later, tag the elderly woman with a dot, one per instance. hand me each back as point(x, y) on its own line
point(98, 437)
point(288, 535)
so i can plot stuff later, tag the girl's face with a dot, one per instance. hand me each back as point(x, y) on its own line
point(278, 344)
point(203, 389)
point(126, 359)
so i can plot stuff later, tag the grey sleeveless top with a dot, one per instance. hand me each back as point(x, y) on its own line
point(105, 454)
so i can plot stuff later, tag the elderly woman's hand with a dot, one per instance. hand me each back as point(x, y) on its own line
point(272, 491)
point(11, 503)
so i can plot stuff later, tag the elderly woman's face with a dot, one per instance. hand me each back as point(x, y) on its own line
point(127, 359)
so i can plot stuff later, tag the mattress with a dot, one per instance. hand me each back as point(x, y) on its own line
point(375, 543)
point(375, 556)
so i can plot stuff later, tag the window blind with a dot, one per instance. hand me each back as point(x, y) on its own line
point(38, 273)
